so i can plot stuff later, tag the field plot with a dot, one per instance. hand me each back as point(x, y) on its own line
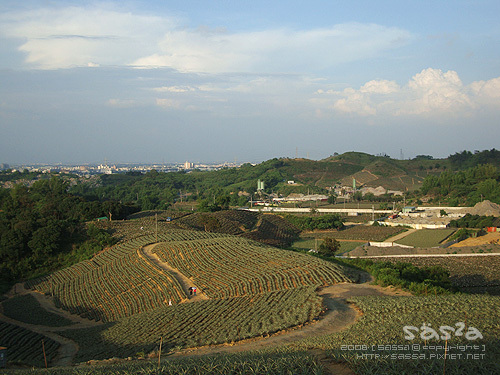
point(200, 323)
point(426, 237)
point(358, 232)
point(380, 331)
point(26, 346)
point(255, 290)
point(116, 283)
point(265, 228)
point(230, 267)
point(276, 362)
point(474, 274)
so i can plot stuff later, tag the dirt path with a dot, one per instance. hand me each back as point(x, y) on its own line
point(338, 316)
point(401, 235)
point(68, 348)
point(184, 281)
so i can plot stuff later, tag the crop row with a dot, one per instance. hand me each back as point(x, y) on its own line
point(117, 283)
point(227, 267)
point(280, 362)
point(118, 251)
point(200, 323)
point(376, 344)
point(26, 346)
point(273, 230)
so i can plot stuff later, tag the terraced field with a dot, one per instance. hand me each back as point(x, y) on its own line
point(253, 290)
point(209, 322)
point(265, 228)
point(26, 346)
point(230, 267)
point(116, 283)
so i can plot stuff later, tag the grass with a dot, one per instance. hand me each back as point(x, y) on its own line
point(426, 237)
point(358, 233)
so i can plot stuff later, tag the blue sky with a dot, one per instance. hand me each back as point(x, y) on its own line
point(247, 80)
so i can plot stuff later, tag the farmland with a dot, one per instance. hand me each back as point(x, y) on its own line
point(26, 346)
point(473, 274)
point(426, 237)
point(116, 283)
point(252, 290)
point(358, 233)
point(208, 322)
point(227, 267)
point(26, 309)
point(307, 243)
point(249, 290)
point(268, 229)
point(380, 331)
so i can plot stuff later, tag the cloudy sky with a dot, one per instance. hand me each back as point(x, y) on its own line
point(198, 80)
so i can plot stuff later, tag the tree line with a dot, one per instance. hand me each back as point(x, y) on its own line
point(42, 228)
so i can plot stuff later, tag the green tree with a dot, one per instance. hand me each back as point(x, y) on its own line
point(210, 223)
point(329, 246)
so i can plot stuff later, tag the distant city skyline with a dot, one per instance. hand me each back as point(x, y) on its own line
point(146, 81)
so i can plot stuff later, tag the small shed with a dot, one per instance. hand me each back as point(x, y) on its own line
point(3, 357)
point(408, 209)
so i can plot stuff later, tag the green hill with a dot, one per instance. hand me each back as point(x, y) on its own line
point(248, 289)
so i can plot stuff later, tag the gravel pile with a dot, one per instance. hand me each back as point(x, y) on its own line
point(486, 208)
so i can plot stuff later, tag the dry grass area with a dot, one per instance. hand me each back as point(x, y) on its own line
point(488, 239)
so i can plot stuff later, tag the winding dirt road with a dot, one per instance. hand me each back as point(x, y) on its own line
point(338, 316)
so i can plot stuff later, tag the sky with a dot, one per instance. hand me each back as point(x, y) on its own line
point(173, 81)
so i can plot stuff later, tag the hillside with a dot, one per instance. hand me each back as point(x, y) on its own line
point(265, 228)
point(391, 174)
point(129, 291)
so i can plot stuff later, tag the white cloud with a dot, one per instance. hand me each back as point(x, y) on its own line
point(168, 103)
point(431, 92)
point(279, 50)
point(487, 92)
point(55, 38)
point(174, 89)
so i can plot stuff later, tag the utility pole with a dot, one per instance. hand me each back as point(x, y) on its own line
point(156, 225)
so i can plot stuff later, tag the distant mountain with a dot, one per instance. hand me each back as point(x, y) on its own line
point(368, 170)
